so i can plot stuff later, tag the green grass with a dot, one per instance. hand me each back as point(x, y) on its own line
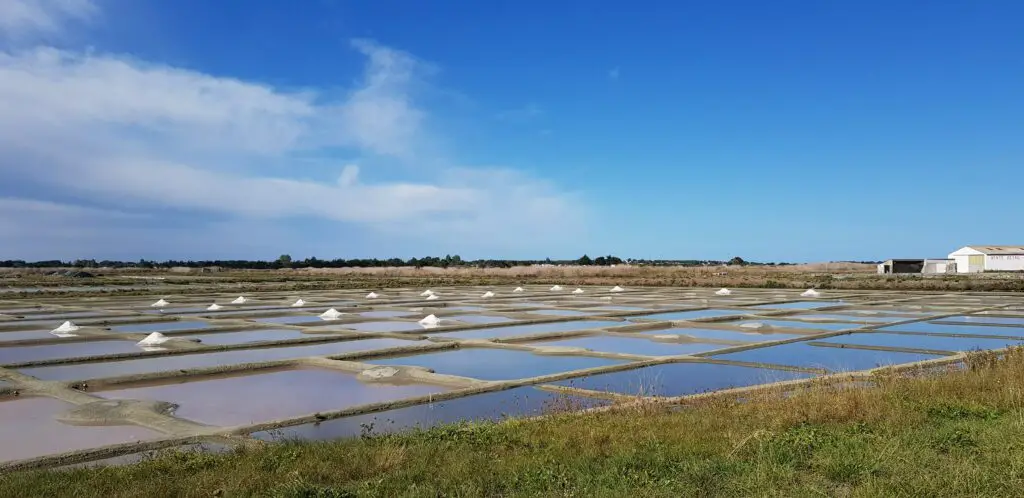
point(959, 432)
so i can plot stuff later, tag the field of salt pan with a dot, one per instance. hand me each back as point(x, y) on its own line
point(265, 368)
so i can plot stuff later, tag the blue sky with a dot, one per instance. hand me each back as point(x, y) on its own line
point(789, 130)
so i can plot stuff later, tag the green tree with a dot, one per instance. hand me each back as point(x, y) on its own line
point(737, 261)
point(285, 260)
point(585, 261)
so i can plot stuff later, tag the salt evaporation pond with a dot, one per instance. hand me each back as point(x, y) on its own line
point(495, 364)
point(263, 397)
point(519, 402)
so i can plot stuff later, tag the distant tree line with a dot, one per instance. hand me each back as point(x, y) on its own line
point(286, 261)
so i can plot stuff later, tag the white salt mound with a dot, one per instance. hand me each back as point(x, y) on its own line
point(331, 314)
point(426, 293)
point(556, 288)
point(810, 293)
point(239, 300)
point(66, 327)
point(755, 325)
point(214, 307)
point(617, 289)
point(578, 291)
point(154, 339)
point(431, 297)
point(723, 292)
point(430, 320)
point(518, 289)
point(372, 295)
point(488, 294)
point(160, 304)
point(379, 373)
point(298, 302)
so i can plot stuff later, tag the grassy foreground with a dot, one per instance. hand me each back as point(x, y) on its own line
point(955, 433)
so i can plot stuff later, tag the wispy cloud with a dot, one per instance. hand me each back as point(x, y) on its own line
point(525, 113)
point(613, 73)
point(109, 129)
point(20, 19)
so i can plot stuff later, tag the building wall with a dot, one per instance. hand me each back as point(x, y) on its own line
point(963, 265)
point(1009, 262)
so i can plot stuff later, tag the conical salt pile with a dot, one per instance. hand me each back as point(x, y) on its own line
point(488, 294)
point(214, 307)
point(556, 288)
point(431, 297)
point(578, 291)
point(723, 292)
point(160, 304)
point(810, 293)
point(66, 328)
point(372, 295)
point(617, 289)
point(298, 302)
point(239, 300)
point(430, 321)
point(518, 289)
point(331, 314)
point(154, 339)
point(427, 293)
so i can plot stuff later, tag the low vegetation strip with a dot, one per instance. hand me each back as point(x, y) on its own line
point(955, 432)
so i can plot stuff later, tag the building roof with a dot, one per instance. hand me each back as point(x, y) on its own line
point(999, 249)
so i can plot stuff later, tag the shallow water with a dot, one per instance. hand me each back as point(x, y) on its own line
point(204, 360)
point(479, 318)
point(800, 305)
point(145, 328)
point(690, 315)
point(725, 335)
point(805, 325)
point(386, 314)
point(923, 341)
point(26, 335)
point(560, 312)
point(801, 354)
point(290, 319)
point(538, 328)
point(28, 430)
point(679, 379)
point(224, 338)
point(263, 397)
point(519, 402)
point(941, 328)
point(495, 364)
point(976, 319)
point(629, 345)
point(21, 354)
point(620, 308)
point(70, 315)
point(859, 318)
point(375, 326)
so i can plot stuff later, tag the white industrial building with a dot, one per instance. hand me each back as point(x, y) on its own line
point(974, 259)
point(927, 266)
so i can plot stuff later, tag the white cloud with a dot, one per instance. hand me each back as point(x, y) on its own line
point(24, 18)
point(125, 132)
